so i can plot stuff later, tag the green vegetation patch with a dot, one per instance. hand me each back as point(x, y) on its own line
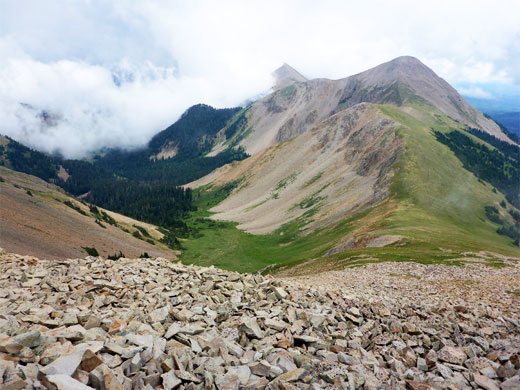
point(312, 180)
point(312, 200)
point(91, 251)
point(116, 256)
point(225, 246)
point(288, 91)
point(143, 231)
point(74, 207)
point(282, 184)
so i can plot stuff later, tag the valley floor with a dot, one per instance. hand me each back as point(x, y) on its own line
point(154, 324)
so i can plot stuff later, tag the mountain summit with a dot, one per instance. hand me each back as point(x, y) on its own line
point(286, 75)
point(297, 104)
point(406, 78)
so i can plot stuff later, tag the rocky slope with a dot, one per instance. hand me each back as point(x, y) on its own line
point(332, 171)
point(295, 108)
point(39, 219)
point(153, 324)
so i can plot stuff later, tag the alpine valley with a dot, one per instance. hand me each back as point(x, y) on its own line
point(390, 164)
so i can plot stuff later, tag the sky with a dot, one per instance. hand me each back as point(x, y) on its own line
point(112, 73)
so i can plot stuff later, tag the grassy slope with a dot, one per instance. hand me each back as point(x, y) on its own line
point(225, 246)
point(436, 205)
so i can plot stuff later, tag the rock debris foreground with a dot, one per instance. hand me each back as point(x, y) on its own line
point(154, 324)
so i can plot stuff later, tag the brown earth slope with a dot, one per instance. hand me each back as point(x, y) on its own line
point(332, 172)
point(35, 221)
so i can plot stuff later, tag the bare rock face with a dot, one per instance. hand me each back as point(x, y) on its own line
point(297, 104)
point(154, 324)
point(342, 166)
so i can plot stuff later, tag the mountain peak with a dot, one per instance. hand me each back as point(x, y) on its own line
point(406, 60)
point(286, 75)
point(396, 80)
point(404, 67)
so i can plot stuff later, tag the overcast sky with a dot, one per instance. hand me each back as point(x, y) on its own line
point(116, 72)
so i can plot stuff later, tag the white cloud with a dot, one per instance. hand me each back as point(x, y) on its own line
point(475, 92)
point(93, 110)
point(62, 55)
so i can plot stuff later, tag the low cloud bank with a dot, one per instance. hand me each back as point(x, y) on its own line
point(74, 108)
point(109, 74)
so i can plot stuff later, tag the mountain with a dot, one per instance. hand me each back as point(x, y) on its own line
point(300, 105)
point(193, 134)
point(286, 75)
point(510, 120)
point(406, 78)
point(181, 152)
point(390, 163)
point(39, 219)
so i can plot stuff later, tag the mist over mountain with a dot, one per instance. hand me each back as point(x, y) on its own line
point(118, 73)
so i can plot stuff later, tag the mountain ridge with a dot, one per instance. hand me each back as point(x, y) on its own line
point(338, 168)
point(298, 106)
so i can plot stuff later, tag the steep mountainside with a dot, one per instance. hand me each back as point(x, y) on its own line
point(330, 172)
point(337, 180)
point(38, 219)
point(297, 107)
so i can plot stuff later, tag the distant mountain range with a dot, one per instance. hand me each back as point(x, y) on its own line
point(505, 111)
point(510, 120)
